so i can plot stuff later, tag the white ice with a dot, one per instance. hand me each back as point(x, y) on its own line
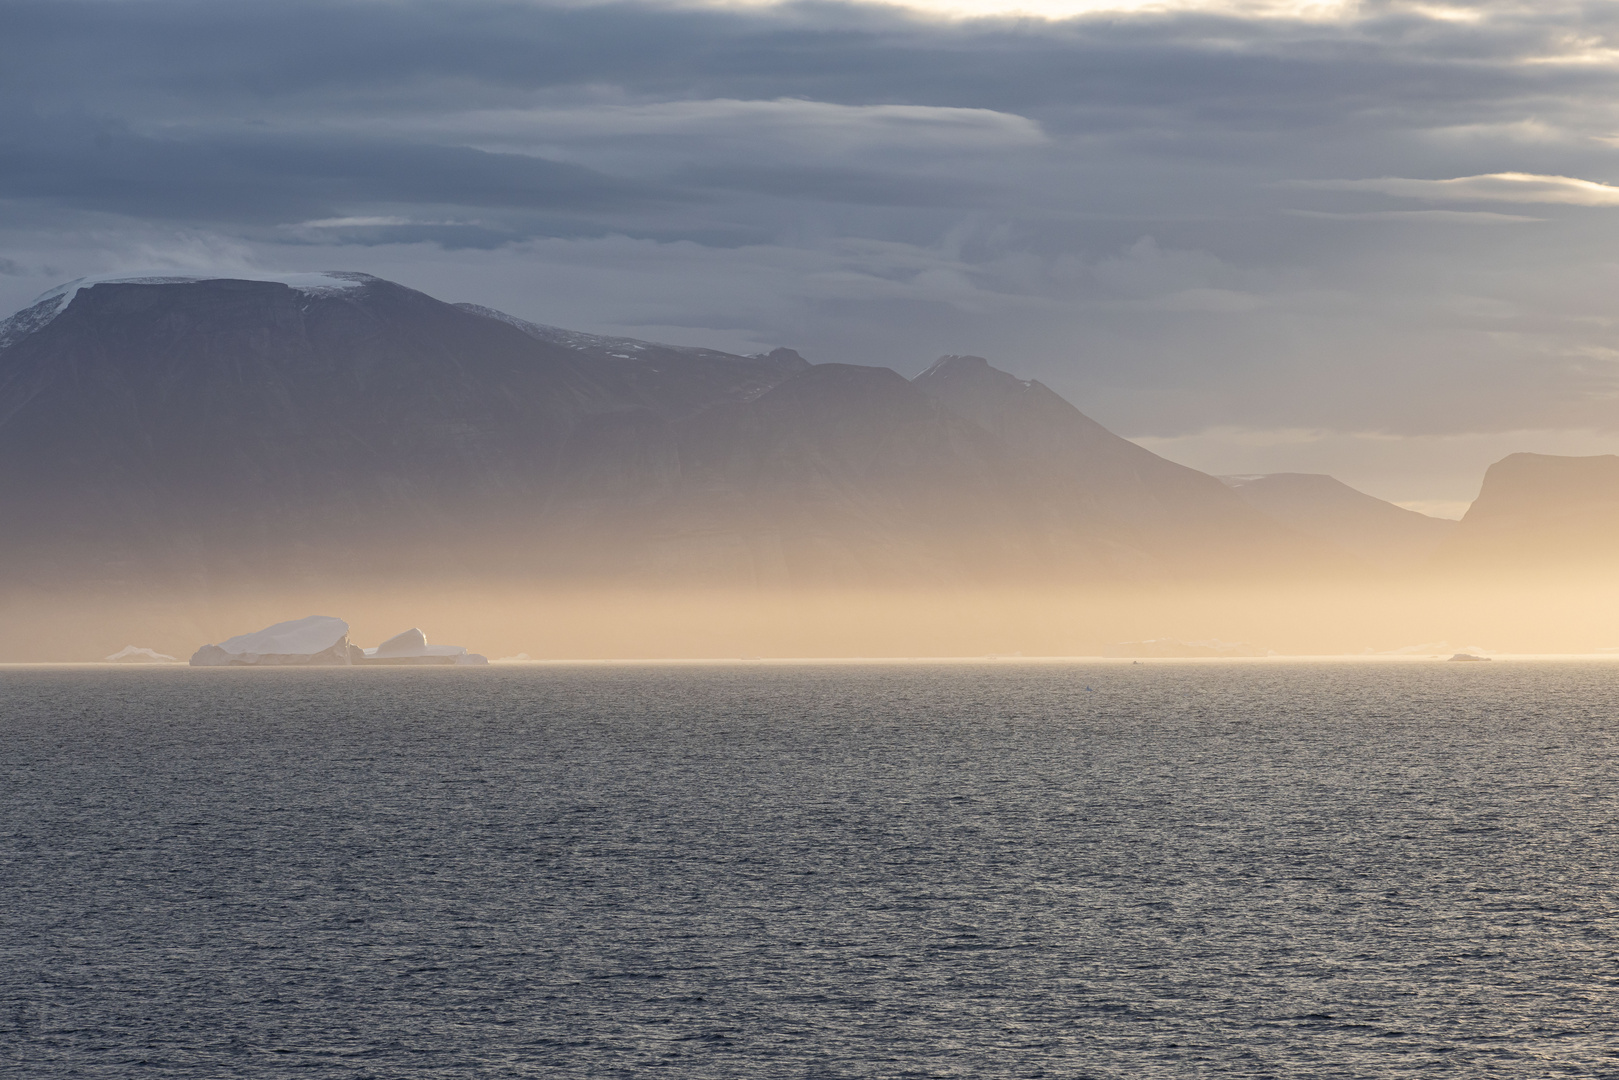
point(414, 643)
point(299, 637)
point(129, 654)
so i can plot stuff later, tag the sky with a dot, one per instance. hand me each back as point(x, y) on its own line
point(1376, 239)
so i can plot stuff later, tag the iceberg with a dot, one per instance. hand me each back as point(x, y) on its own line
point(316, 641)
point(129, 654)
point(411, 647)
point(321, 640)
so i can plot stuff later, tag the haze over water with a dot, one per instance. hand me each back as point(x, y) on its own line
point(751, 871)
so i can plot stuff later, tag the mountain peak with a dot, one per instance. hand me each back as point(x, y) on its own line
point(971, 370)
point(786, 358)
point(951, 362)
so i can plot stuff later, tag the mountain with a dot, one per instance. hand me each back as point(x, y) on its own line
point(337, 426)
point(1540, 512)
point(1379, 532)
point(1091, 478)
point(671, 378)
point(334, 424)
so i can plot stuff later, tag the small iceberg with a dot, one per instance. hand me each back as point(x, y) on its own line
point(316, 641)
point(129, 654)
point(411, 647)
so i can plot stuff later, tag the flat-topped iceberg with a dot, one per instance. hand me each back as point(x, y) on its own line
point(316, 641)
point(129, 654)
point(411, 647)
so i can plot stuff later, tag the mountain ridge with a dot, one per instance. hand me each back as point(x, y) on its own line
point(1383, 534)
point(212, 430)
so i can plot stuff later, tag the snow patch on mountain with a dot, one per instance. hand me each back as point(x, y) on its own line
point(28, 320)
point(620, 348)
point(568, 339)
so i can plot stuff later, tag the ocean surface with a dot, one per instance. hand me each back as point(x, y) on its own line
point(1132, 871)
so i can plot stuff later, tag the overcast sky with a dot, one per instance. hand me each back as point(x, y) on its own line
point(1374, 239)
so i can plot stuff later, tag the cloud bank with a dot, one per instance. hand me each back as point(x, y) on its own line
point(1495, 187)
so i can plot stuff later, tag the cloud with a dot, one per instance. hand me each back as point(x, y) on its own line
point(361, 223)
point(1491, 187)
point(1441, 217)
point(873, 155)
point(266, 177)
point(1067, 9)
point(791, 126)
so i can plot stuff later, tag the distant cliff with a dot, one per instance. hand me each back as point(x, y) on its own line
point(1539, 512)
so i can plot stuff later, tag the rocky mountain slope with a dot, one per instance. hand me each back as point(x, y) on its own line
point(1379, 532)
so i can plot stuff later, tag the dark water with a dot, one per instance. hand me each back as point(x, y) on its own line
point(1289, 870)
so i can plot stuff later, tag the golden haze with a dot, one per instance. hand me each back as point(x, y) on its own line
point(1553, 612)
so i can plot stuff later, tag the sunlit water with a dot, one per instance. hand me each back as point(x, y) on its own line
point(751, 871)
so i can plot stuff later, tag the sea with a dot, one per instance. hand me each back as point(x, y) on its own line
point(997, 869)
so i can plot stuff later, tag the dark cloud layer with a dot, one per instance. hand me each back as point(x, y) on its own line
point(244, 177)
point(201, 57)
point(1165, 215)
